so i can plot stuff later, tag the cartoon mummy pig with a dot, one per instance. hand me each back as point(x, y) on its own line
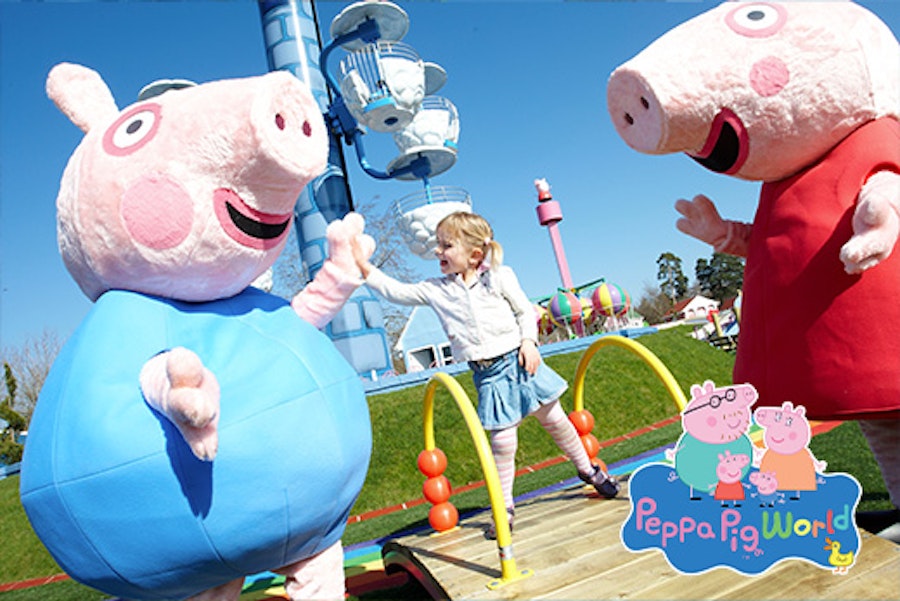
point(805, 98)
point(194, 429)
point(715, 422)
point(787, 456)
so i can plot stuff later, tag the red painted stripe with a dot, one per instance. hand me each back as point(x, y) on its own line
point(17, 586)
point(817, 428)
point(355, 519)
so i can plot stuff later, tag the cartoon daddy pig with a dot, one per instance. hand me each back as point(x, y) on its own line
point(787, 455)
point(195, 430)
point(805, 98)
point(715, 422)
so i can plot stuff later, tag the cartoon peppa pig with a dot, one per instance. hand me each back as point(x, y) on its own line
point(805, 98)
point(715, 422)
point(195, 430)
point(787, 455)
point(730, 471)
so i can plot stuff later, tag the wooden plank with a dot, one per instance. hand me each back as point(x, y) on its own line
point(571, 540)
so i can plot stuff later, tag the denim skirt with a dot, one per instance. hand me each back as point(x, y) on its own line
point(507, 393)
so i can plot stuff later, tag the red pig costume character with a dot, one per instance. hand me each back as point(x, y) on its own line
point(805, 98)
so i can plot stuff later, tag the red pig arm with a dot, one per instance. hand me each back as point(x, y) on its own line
point(701, 220)
point(876, 223)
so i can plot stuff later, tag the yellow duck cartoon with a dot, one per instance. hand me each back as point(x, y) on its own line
point(840, 561)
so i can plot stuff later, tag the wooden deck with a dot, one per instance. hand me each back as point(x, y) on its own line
point(570, 540)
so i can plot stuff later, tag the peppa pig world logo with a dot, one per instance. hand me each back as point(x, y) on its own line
point(740, 494)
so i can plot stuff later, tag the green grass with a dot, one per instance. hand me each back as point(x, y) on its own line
point(620, 390)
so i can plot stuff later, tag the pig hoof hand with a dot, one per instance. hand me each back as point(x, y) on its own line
point(875, 234)
point(340, 234)
point(860, 254)
point(876, 223)
point(193, 402)
point(701, 220)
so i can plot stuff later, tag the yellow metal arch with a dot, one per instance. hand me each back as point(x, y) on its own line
point(638, 349)
point(508, 571)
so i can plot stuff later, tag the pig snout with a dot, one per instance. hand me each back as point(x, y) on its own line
point(288, 144)
point(636, 112)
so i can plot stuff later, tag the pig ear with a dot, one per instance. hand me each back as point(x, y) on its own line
point(81, 95)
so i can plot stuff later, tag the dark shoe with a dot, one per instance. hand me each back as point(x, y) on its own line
point(492, 531)
point(605, 484)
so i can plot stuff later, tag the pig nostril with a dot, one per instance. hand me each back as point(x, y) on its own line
point(645, 103)
point(279, 121)
point(629, 119)
point(307, 129)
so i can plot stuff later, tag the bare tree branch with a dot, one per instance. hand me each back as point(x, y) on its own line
point(30, 365)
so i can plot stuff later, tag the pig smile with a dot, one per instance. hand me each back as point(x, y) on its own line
point(248, 226)
point(725, 150)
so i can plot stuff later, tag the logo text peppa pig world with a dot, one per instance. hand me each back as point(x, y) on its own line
point(742, 495)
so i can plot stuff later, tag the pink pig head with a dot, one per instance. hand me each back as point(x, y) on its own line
point(718, 415)
point(766, 482)
point(758, 90)
point(787, 430)
point(731, 467)
point(187, 195)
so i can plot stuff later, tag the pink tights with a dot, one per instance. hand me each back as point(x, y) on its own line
point(554, 420)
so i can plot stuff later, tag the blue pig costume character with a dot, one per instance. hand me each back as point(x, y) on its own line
point(805, 98)
point(195, 430)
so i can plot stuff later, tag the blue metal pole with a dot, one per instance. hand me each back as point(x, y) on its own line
point(291, 36)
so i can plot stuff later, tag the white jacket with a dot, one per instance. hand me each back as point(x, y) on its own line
point(483, 321)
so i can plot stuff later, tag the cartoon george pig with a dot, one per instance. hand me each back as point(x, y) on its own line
point(195, 430)
point(805, 98)
point(766, 488)
point(715, 422)
point(787, 455)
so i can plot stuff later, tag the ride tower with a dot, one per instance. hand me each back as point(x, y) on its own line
point(291, 36)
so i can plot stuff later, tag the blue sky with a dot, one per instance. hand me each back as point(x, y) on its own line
point(528, 79)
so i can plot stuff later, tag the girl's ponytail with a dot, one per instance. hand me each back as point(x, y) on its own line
point(493, 252)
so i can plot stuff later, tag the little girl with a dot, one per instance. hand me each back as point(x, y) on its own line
point(490, 324)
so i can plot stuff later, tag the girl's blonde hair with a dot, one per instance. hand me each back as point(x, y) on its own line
point(475, 232)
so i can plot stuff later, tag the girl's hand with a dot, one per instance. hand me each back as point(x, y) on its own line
point(362, 248)
point(529, 356)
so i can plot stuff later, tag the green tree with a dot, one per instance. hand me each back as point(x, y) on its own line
point(721, 277)
point(673, 282)
point(10, 449)
point(31, 362)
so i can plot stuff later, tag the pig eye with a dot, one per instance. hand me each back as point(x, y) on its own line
point(757, 20)
point(132, 130)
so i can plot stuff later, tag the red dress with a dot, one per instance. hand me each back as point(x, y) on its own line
point(810, 333)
